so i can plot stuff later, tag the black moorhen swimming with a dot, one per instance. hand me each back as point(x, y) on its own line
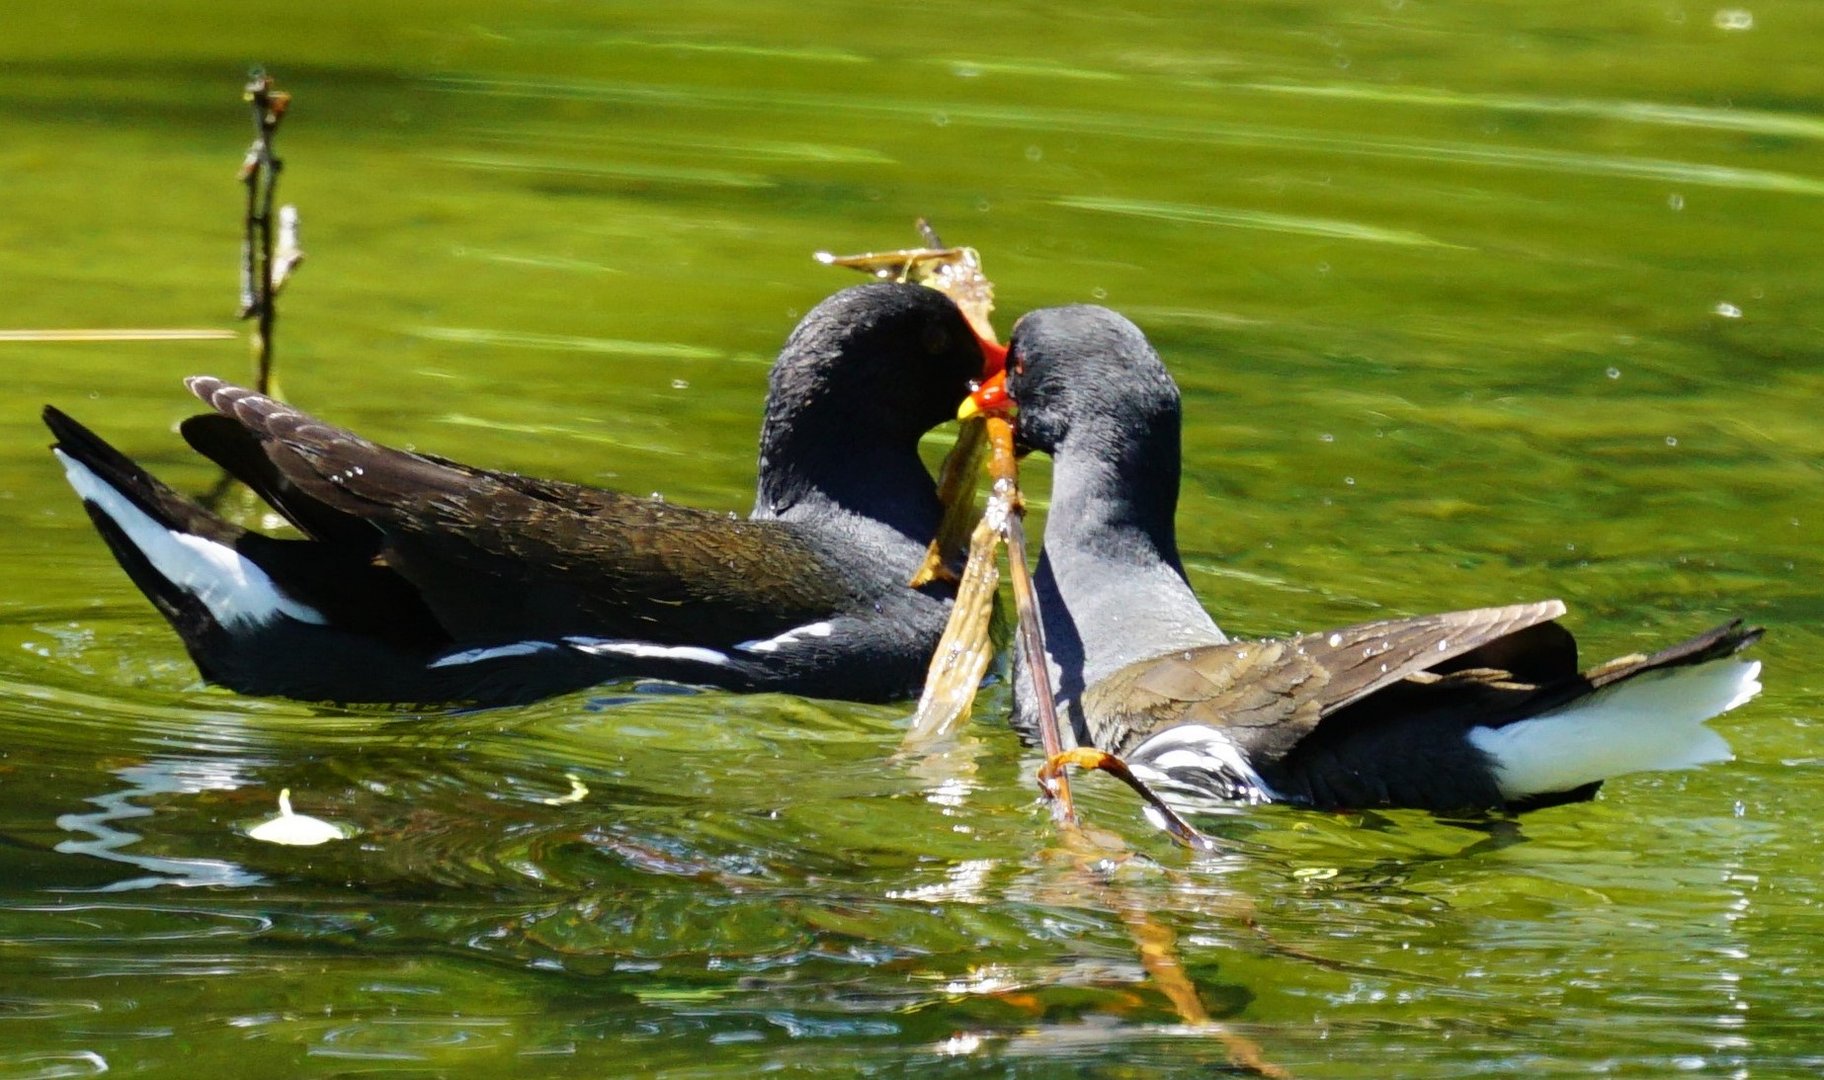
point(1470, 710)
point(421, 580)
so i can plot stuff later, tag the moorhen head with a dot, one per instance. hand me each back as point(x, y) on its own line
point(1468, 710)
point(422, 580)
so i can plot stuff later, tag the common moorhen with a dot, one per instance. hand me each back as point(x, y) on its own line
point(422, 580)
point(1469, 710)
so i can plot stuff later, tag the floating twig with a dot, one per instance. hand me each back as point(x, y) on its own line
point(120, 334)
point(964, 652)
point(1031, 636)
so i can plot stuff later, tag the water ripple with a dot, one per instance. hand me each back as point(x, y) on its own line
point(619, 170)
point(1253, 219)
point(1152, 128)
point(47, 1066)
point(644, 350)
point(1753, 121)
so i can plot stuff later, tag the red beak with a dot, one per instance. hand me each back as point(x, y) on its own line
point(990, 398)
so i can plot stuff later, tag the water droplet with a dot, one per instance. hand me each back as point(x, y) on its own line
point(1671, 440)
point(965, 71)
point(658, 497)
point(1675, 201)
point(1349, 480)
point(1099, 293)
point(941, 119)
point(1323, 268)
point(1033, 153)
point(1335, 640)
point(981, 205)
point(1741, 808)
point(1341, 62)
point(1734, 19)
point(1613, 373)
point(1326, 437)
point(680, 384)
point(1728, 311)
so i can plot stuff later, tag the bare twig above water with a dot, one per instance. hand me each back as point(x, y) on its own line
point(269, 241)
point(269, 247)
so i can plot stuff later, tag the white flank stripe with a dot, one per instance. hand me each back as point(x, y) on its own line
point(1194, 746)
point(790, 637)
point(1650, 722)
point(234, 589)
point(493, 652)
point(645, 650)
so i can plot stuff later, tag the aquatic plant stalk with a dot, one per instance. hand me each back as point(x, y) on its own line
point(261, 275)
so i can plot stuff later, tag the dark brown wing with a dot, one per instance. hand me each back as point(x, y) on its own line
point(1418, 723)
point(241, 452)
point(1267, 695)
point(497, 555)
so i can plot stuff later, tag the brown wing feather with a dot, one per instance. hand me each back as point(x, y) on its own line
point(1267, 695)
point(1364, 658)
point(513, 555)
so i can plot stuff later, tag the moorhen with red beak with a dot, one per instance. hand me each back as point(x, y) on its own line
point(1469, 710)
point(422, 580)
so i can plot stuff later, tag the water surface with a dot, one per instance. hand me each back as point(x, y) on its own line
point(1471, 304)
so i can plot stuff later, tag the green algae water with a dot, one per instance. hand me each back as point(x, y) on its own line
point(1472, 303)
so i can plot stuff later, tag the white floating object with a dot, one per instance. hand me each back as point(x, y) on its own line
point(297, 830)
point(578, 792)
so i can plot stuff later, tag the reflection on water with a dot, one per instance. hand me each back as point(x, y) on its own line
point(1471, 304)
point(161, 776)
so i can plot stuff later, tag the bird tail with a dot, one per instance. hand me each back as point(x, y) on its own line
point(1644, 714)
point(188, 561)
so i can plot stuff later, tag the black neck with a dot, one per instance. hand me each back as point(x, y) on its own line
point(810, 470)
